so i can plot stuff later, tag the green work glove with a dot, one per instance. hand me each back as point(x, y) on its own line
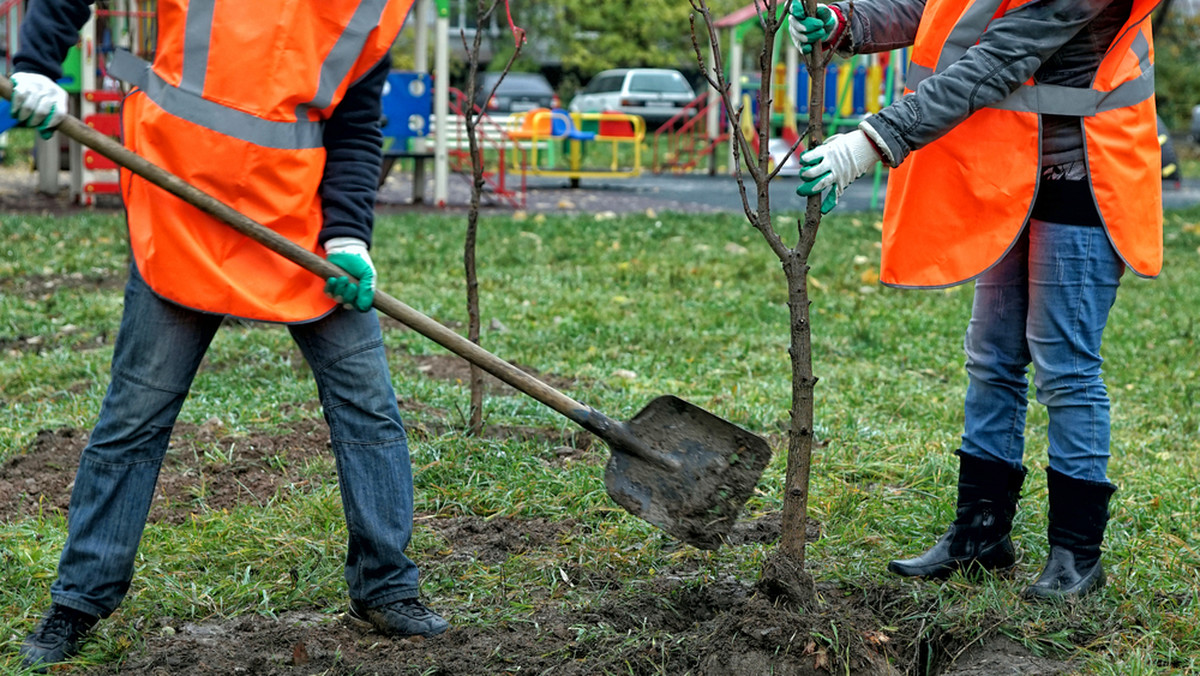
point(807, 30)
point(350, 254)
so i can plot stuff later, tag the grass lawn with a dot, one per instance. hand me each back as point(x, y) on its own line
point(620, 310)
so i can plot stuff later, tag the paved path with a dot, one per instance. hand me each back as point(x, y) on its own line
point(665, 192)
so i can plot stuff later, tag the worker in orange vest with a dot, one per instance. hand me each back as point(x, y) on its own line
point(1025, 159)
point(290, 137)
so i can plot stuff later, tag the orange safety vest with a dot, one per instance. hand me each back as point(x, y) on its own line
point(956, 206)
point(235, 104)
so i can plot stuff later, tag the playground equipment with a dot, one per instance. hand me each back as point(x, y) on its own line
point(130, 25)
point(613, 140)
point(854, 88)
point(94, 97)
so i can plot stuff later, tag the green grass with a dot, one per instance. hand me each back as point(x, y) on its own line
point(20, 148)
point(691, 305)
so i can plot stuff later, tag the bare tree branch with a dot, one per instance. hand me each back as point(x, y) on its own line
point(472, 115)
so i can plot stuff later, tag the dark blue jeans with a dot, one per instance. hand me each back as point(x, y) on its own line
point(157, 353)
point(1045, 303)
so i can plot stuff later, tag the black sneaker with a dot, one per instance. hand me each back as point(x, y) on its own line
point(406, 617)
point(56, 638)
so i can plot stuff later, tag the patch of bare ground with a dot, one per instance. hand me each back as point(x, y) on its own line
point(668, 625)
point(205, 469)
point(455, 369)
point(671, 624)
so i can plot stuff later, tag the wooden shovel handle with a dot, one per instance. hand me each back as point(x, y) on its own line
point(585, 416)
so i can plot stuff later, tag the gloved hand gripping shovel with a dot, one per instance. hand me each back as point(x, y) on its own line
point(674, 464)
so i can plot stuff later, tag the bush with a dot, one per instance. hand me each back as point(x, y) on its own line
point(1177, 79)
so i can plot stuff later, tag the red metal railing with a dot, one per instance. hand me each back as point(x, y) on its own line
point(491, 137)
point(682, 141)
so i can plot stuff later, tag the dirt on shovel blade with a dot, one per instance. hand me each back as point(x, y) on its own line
point(699, 503)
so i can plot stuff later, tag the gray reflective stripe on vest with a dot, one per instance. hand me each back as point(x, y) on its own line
point(344, 55)
point(196, 39)
point(1058, 100)
point(214, 116)
point(1041, 98)
point(966, 32)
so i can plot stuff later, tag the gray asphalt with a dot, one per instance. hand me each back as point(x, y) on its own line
point(720, 193)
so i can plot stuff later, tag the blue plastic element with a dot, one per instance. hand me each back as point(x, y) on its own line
point(802, 90)
point(562, 126)
point(859, 95)
point(831, 87)
point(407, 108)
point(7, 121)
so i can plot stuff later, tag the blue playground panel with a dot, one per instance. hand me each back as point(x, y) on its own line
point(858, 93)
point(6, 119)
point(407, 108)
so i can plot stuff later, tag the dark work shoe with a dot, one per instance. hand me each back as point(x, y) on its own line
point(406, 617)
point(56, 638)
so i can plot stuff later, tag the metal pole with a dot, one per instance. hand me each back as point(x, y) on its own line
point(441, 108)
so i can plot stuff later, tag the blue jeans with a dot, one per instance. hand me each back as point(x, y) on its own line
point(1045, 303)
point(157, 352)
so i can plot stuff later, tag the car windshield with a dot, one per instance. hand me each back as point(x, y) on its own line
point(666, 83)
point(605, 83)
point(518, 83)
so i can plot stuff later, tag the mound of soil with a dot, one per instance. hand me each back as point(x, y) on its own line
point(668, 626)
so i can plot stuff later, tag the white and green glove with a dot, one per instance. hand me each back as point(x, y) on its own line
point(350, 254)
point(806, 30)
point(836, 163)
point(38, 101)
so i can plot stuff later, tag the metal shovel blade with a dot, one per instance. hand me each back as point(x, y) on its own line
point(720, 464)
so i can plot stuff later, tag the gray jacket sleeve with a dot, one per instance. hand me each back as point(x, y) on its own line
point(879, 25)
point(1009, 52)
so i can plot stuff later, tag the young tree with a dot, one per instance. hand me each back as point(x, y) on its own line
point(784, 575)
point(472, 115)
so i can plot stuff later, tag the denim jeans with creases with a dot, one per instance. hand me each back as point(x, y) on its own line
point(1045, 303)
point(157, 353)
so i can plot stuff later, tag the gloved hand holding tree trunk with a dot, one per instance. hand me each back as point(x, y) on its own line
point(806, 31)
point(836, 163)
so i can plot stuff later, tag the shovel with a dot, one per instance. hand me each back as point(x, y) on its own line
point(673, 464)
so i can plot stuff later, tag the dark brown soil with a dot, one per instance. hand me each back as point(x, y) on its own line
point(458, 370)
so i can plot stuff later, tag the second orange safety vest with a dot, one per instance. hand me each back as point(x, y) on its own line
point(955, 206)
point(235, 104)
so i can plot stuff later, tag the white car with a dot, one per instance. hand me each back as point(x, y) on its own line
point(656, 94)
point(1196, 124)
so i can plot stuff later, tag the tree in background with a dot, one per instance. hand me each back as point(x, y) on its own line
point(1176, 74)
point(485, 10)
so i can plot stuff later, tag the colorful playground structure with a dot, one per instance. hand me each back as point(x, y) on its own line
point(424, 117)
point(697, 139)
point(612, 140)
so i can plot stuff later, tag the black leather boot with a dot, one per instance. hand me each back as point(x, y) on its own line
point(987, 502)
point(1078, 516)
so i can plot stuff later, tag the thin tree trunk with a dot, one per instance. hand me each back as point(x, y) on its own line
point(484, 10)
point(783, 575)
point(800, 439)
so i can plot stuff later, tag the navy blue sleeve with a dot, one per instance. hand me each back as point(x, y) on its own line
point(50, 28)
point(354, 153)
